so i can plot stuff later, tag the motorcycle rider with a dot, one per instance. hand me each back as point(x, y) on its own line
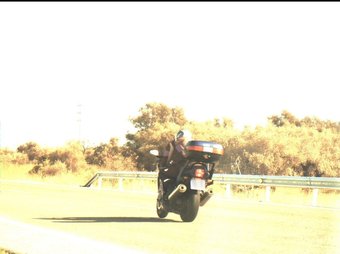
point(174, 157)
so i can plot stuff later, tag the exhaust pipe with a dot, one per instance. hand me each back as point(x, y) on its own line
point(206, 196)
point(179, 189)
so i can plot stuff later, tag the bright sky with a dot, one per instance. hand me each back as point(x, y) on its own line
point(244, 61)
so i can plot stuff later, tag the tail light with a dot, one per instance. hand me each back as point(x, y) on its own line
point(199, 173)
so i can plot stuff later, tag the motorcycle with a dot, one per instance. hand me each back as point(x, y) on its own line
point(190, 190)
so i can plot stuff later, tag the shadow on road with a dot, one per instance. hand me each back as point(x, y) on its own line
point(105, 219)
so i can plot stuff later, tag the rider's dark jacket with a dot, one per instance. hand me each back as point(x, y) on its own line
point(173, 158)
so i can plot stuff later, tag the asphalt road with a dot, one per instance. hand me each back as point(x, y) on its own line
point(75, 219)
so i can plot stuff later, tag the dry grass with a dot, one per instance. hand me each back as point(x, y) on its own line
point(20, 172)
point(12, 171)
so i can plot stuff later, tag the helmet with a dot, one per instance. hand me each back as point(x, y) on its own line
point(183, 134)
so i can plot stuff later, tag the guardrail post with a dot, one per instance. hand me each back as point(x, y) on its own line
point(100, 182)
point(121, 188)
point(228, 192)
point(268, 193)
point(315, 197)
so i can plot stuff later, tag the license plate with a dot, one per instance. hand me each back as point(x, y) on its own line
point(197, 184)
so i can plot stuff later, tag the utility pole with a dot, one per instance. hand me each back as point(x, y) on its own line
point(79, 120)
point(0, 134)
point(0, 158)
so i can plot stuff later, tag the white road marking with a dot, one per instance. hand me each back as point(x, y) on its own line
point(26, 238)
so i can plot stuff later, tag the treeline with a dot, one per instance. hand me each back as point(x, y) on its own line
point(74, 157)
point(285, 146)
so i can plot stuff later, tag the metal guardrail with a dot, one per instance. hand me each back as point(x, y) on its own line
point(121, 174)
point(259, 180)
point(314, 183)
point(284, 181)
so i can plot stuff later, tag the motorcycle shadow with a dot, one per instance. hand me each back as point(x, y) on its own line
point(107, 219)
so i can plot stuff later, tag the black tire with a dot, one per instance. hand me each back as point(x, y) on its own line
point(190, 207)
point(161, 211)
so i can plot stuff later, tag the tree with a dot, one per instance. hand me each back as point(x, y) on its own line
point(316, 123)
point(153, 113)
point(72, 155)
point(287, 118)
point(284, 119)
point(156, 125)
point(32, 150)
point(225, 123)
point(102, 154)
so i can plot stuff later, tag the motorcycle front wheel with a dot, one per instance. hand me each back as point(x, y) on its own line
point(190, 207)
point(161, 211)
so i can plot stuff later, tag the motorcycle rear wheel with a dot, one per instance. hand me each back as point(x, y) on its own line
point(190, 207)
